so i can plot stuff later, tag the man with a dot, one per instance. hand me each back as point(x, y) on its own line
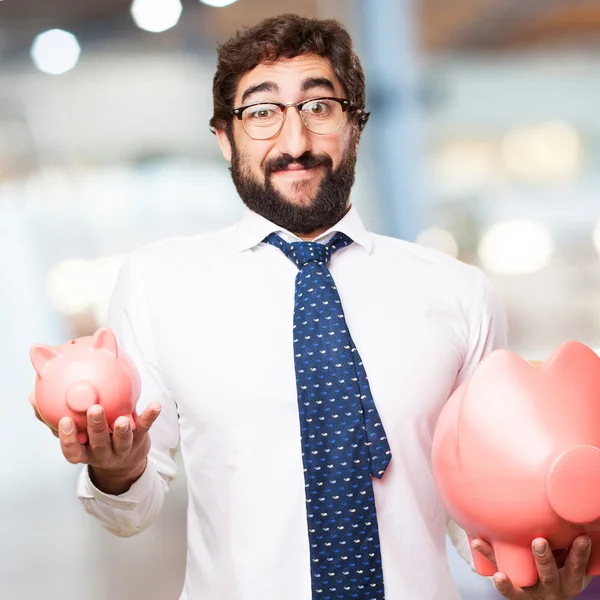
point(306, 478)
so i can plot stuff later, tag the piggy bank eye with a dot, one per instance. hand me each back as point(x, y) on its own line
point(73, 342)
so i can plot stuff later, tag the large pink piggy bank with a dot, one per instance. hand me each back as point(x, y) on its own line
point(516, 455)
point(83, 372)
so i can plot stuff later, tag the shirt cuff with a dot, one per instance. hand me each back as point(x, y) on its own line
point(139, 490)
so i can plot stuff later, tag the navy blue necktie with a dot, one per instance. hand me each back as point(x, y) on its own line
point(343, 441)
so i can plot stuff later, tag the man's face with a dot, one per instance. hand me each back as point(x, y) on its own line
point(298, 179)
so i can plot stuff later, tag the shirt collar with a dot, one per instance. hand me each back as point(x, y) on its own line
point(253, 229)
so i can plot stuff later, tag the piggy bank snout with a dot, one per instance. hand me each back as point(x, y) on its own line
point(573, 485)
point(80, 396)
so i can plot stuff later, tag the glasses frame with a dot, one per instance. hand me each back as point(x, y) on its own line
point(343, 102)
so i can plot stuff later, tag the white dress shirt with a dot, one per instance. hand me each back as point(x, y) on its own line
point(208, 319)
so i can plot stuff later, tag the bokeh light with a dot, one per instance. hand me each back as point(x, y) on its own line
point(78, 285)
point(440, 239)
point(55, 52)
point(218, 3)
point(516, 247)
point(156, 15)
point(544, 153)
point(465, 166)
point(596, 237)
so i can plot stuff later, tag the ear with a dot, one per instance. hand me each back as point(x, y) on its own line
point(224, 143)
point(105, 339)
point(353, 136)
point(362, 117)
point(40, 354)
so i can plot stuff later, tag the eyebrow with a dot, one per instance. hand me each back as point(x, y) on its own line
point(316, 82)
point(265, 86)
point(306, 85)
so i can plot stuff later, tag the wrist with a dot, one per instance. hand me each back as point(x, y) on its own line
point(118, 480)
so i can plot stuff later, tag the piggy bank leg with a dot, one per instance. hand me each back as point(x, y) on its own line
point(483, 566)
point(517, 562)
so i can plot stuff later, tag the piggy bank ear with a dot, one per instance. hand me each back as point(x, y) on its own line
point(40, 354)
point(105, 339)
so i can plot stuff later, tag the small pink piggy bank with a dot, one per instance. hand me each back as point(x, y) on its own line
point(516, 455)
point(83, 372)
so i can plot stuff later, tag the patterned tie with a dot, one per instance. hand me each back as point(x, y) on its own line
point(343, 440)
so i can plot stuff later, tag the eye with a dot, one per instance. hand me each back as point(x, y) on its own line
point(319, 108)
point(261, 113)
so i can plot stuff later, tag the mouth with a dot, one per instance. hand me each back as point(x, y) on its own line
point(296, 171)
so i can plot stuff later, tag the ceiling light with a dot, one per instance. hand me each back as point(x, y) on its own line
point(218, 3)
point(156, 15)
point(55, 52)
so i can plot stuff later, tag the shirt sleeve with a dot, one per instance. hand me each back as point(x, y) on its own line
point(488, 328)
point(131, 512)
point(488, 332)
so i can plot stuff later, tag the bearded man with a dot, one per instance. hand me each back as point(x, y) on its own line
point(299, 360)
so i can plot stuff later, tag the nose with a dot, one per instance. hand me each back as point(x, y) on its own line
point(573, 483)
point(294, 137)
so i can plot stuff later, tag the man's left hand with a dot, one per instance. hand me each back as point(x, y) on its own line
point(554, 583)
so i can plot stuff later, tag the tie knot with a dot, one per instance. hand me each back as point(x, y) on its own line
point(301, 253)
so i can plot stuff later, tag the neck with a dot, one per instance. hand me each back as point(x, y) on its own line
point(309, 237)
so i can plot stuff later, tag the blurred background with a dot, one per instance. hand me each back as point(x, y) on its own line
point(484, 142)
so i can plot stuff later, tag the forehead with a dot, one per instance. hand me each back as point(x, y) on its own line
point(289, 74)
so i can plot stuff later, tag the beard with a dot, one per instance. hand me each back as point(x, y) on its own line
point(328, 205)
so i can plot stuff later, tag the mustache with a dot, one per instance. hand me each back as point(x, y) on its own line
point(308, 160)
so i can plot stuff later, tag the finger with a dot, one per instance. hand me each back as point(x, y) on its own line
point(122, 436)
point(506, 587)
point(576, 565)
point(34, 406)
point(546, 565)
point(98, 434)
point(147, 419)
point(72, 450)
point(38, 416)
point(484, 548)
point(33, 403)
point(42, 420)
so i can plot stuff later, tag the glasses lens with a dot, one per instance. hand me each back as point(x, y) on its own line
point(262, 121)
point(322, 116)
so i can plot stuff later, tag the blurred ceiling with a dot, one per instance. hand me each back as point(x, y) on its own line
point(497, 25)
point(456, 25)
point(99, 113)
point(102, 20)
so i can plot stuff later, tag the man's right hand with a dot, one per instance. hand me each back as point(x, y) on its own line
point(117, 459)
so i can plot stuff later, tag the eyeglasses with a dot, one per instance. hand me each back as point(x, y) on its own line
point(264, 120)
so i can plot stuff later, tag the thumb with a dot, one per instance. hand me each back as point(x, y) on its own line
point(144, 421)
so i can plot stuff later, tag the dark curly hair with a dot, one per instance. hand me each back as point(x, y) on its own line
point(285, 37)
